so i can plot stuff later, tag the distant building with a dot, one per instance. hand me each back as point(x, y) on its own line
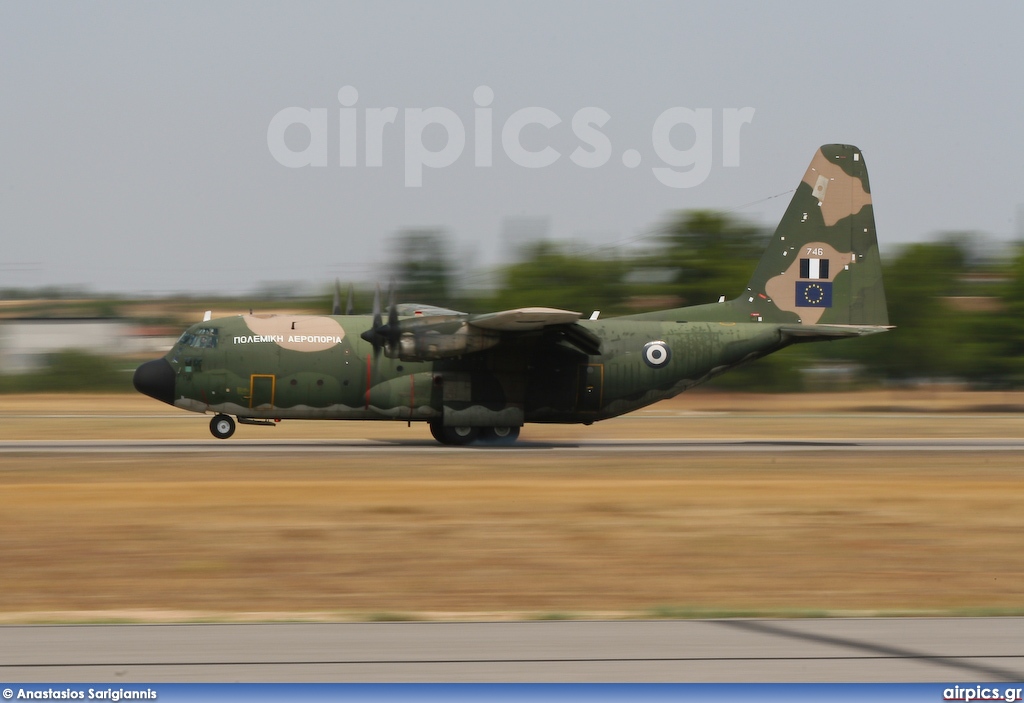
point(26, 344)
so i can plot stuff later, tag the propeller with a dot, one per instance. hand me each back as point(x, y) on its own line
point(382, 335)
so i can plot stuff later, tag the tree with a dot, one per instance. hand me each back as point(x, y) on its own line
point(423, 271)
point(551, 277)
point(712, 254)
point(929, 334)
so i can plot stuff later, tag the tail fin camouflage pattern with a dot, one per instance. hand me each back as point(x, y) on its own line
point(822, 266)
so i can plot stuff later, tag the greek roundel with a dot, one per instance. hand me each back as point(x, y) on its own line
point(657, 354)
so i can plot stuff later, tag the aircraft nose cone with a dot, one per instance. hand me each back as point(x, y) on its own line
point(156, 379)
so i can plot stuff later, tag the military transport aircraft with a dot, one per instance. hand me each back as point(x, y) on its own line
point(480, 377)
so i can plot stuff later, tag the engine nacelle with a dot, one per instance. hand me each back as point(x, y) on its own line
point(432, 344)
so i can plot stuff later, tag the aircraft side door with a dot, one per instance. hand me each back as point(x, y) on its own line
point(590, 387)
point(261, 391)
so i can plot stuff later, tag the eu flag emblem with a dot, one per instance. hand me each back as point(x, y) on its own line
point(813, 294)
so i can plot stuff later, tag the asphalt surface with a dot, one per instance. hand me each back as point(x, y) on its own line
point(805, 650)
point(640, 446)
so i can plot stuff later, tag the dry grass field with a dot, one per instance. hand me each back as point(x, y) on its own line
point(487, 535)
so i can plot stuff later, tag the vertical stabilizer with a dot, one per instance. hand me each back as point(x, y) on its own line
point(822, 266)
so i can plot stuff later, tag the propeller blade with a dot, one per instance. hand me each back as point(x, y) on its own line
point(392, 308)
point(393, 333)
point(336, 308)
point(373, 335)
point(350, 306)
point(376, 308)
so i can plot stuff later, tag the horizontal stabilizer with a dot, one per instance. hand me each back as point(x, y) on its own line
point(809, 332)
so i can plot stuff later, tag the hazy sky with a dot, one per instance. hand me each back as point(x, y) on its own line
point(135, 157)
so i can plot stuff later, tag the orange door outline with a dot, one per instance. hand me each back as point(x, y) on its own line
point(252, 387)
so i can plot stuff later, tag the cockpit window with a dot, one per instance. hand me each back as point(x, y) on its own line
point(202, 338)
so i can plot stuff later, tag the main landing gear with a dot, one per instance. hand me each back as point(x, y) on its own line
point(222, 426)
point(461, 436)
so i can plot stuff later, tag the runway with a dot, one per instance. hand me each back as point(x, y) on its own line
point(625, 446)
point(806, 650)
point(919, 505)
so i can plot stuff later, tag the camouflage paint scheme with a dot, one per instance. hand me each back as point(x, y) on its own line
point(541, 365)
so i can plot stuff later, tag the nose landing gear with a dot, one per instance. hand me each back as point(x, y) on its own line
point(222, 426)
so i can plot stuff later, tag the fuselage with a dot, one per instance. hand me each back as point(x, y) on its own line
point(318, 367)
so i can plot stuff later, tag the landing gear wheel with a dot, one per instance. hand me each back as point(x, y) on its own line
point(499, 435)
point(455, 436)
point(222, 426)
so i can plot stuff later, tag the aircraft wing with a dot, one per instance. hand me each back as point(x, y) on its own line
point(561, 324)
point(524, 319)
point(430, 337)
point(421, 310)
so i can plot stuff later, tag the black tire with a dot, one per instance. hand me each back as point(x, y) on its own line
point(454, 436)
point(222, 426)
point(499, 435)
